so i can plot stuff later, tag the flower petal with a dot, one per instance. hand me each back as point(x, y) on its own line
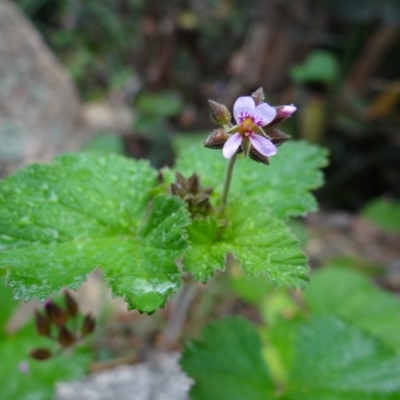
point(263, 145)
point(264, 114)
point(231, 145)
point(243, 104)
point(285, 111)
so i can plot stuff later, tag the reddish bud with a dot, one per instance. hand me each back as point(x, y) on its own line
point(71, 305)
point(40, 354)
point(65, 337)
point(54, 313)
point(42, 324)
point(88, 325)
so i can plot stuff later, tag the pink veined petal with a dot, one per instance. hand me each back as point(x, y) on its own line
point(263, 145)
point(231, 145)
point(264, 114)
point(286, 111)
point(243, 104)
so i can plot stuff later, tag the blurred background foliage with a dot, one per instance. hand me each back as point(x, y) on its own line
point(337, 60)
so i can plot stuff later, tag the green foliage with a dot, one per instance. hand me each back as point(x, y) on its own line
point(61, 221)
point(160, 104)
point(343, 344)
point(319, 66)
point(384, 213)
point(107, 143)
point(22, 378)
point(283, 187)
point(250, 230)
point(227, 363)
point(335, 360)
point(352, 297)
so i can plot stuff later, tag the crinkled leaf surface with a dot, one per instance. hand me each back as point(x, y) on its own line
point(60, 221)
point(283, 186)
point(261, 242)
point(352, 297)
point(336, 360)
point(21, 377)
point(226, 364)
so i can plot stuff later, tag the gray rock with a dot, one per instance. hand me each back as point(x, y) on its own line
point(158, 379)
point(39, 108)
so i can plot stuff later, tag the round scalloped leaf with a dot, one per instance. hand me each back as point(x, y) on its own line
point(62, 220)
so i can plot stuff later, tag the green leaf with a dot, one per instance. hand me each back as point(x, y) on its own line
point(61, 221)
point(161, 104)
point(227, 364)
point(283, 186)
point(384, 213)
point(352, 297)
point(319, 66)
point(337, 361)
point(260, 242)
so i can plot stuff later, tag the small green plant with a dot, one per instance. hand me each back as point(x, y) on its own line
point(60, 221)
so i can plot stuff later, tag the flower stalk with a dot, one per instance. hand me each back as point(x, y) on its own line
point(228, 180)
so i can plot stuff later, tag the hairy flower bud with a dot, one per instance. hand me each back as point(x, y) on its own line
point(88, 325)
point(216, 139)
point(40, 354)
point(219, 114)
point(42, 324)
point(71, 305)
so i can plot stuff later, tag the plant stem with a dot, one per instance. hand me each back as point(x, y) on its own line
point(180, 307)
point(228, 179)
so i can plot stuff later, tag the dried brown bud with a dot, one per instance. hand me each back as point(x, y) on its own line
point(258, 96)
point(54, 313)
point(88, 325)
point(40, 354)
point(216, 139)
point(65, 337)
point(219, 114)
point(71, 305)
point(42, 324)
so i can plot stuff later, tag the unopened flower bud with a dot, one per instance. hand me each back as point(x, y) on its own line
point(40, 354)
point(54, 313)
point(42, 324)
point(216, 139)
point(285, 111)
point(88, 325)
point(71, 305)
point(219, 114)
point(65, 337)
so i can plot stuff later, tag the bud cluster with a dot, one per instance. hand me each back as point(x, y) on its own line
point(61, 325)
point(190, 191)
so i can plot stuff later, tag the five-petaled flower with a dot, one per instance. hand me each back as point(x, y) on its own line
point(255, 133)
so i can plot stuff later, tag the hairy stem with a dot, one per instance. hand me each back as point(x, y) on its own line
point(228, 179)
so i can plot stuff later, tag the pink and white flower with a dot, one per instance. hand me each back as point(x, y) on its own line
point(248, 132)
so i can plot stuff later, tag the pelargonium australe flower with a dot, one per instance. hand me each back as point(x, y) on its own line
point(255, 132)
